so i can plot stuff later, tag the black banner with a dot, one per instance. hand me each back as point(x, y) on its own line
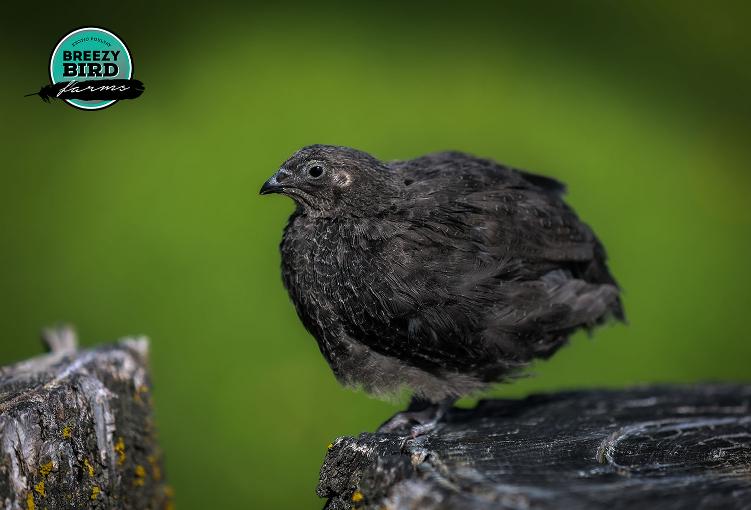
point(91, 90)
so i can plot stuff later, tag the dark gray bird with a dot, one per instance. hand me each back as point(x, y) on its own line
point(442, 274)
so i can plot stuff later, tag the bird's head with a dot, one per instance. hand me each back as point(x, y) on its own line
point(328, 180)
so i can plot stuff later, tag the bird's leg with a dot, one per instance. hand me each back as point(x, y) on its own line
point(439, 411)
point(420, 418)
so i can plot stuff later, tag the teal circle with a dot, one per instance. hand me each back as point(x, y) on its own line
point(91, 39)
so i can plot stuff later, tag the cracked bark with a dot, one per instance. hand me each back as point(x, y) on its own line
point(76, 429)
point(660, 447)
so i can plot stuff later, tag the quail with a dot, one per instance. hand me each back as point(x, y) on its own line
point(440, 275)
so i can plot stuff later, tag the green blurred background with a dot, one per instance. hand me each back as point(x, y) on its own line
point(145, 218)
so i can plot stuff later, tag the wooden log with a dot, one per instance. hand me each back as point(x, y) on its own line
point(660, 447)
point(76, 429)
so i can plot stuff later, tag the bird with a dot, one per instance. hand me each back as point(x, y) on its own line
point(441, 275)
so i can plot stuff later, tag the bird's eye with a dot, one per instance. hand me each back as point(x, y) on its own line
point(315, 171)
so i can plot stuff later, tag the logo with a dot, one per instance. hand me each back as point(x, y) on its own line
point(91, 68)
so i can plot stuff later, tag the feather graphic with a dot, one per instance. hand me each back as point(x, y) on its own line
point(44, 93)
point(91, 90)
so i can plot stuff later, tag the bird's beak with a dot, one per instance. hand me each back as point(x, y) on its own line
point(269, 186)
point(273, 185)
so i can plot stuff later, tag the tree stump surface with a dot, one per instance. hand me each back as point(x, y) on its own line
point(76, 430)
point(666, 447)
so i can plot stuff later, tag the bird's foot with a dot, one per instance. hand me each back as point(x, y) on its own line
point(417, 423)
point(423, 429)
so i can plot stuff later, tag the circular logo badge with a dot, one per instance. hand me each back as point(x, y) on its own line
point(88, 54)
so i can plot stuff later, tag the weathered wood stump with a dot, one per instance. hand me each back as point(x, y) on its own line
point(660, 447)
point(76, 430)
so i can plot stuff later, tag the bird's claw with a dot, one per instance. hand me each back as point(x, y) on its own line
point(422, 425)
point(423, 429)
point(422, 420)
point(417, 433)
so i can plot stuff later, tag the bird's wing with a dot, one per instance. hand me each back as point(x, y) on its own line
point(486, 264)
point(506, 212)
point(463, 172)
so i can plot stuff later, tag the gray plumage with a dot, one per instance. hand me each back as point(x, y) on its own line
point(441, 274)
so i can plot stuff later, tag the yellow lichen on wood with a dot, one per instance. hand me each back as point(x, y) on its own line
point(329, 446)
point(46, 468)
point(140, 473)
point(141, 390)
point(67, 433)
point(95, 491)
point(30, 501)
point(89, 467)
point(40, 488)
point(120, 450)
point(156, 470)
point(169, 492)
